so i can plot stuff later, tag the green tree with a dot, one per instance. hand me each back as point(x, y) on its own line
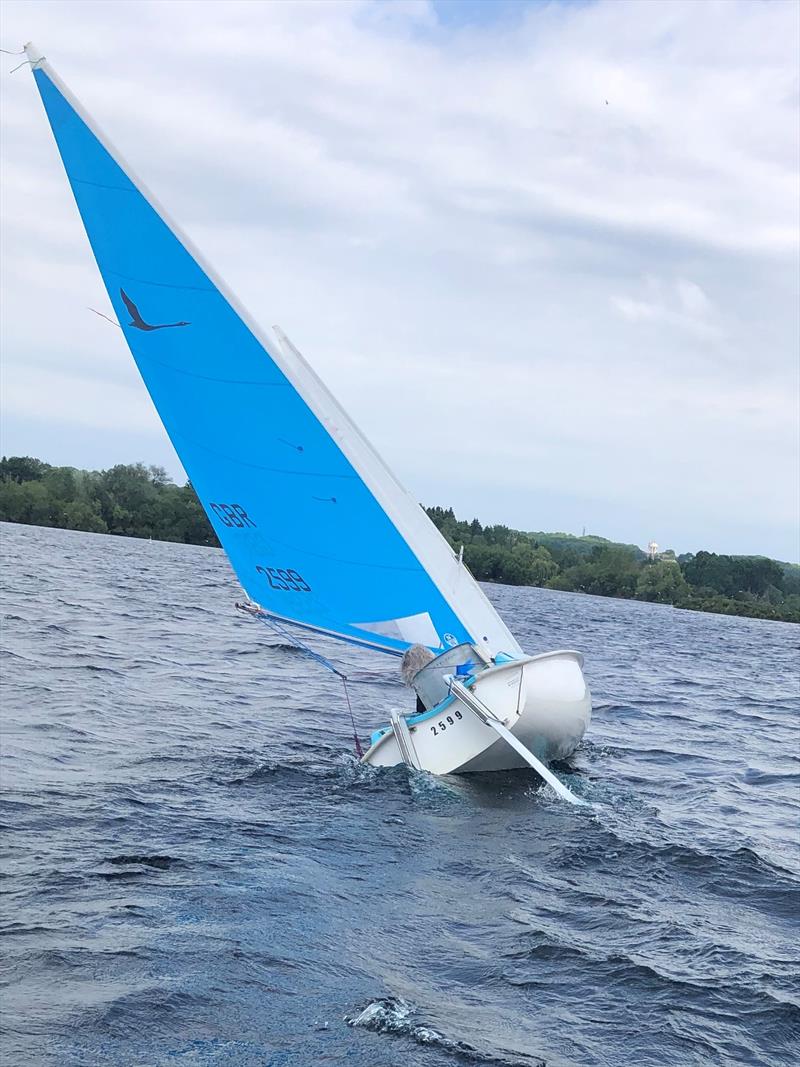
point(197, 530)
point(611, 570)
point(791, 579)
point(662, 582)
point(756, 574)
point(60, 483)
point(28, 502)
point(526, 564)
point(84, 515)
point(22, 469)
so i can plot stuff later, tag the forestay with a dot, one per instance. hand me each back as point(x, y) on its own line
point(318, 530)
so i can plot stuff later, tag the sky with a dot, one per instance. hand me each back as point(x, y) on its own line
point(545, 254)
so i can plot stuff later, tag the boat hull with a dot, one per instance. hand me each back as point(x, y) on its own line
point(543, 700)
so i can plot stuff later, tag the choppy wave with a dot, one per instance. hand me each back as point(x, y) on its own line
point(200, 872)
point(393, 1015)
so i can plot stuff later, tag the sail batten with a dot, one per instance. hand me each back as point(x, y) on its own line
point(318, 530)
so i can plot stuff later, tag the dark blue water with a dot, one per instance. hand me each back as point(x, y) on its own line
point(197, 872)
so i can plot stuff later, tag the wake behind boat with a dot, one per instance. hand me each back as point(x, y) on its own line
point(319, 531)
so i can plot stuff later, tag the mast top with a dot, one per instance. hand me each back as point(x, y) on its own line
point(33, 54)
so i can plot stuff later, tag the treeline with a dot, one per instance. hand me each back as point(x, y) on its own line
point(730, 585)
point(139, 501)
point(128, 499)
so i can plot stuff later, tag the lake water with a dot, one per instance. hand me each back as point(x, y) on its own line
point(197, 872)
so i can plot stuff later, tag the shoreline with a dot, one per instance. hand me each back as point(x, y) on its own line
point(697, 610)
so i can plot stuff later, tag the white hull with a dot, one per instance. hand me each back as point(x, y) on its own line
point(543, 700)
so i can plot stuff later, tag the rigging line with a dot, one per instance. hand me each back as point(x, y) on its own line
point(294, 640)
point(102, 316)
point(349, 639)
point(359, 750)
point(212, 290)
point(21, 52)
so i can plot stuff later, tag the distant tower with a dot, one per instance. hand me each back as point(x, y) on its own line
point(652, 549)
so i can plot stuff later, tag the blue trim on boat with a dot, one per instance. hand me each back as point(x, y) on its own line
point(423, 716)
point(412, 720)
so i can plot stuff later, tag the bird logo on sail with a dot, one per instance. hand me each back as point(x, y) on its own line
point(138, 321)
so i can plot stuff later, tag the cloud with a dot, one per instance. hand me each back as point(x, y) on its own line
point(678, 303)
point(537, 304)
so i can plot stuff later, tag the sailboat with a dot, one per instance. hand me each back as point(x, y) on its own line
point(320, 533)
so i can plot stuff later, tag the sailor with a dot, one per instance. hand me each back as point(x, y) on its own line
point(415, 658)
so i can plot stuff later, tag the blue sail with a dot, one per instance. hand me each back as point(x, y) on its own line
point(317, 530)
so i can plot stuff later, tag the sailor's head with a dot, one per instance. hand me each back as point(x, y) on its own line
point(414, 659)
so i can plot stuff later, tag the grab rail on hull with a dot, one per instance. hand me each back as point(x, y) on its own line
point(404, 742)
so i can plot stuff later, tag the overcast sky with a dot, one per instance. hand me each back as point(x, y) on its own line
point(546, 254)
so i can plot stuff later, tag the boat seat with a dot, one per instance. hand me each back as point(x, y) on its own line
point(429, 683)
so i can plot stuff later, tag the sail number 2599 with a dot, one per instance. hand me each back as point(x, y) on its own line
point(285, 580)
point(444, 722)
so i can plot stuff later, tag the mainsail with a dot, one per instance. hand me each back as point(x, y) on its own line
point(318, 530)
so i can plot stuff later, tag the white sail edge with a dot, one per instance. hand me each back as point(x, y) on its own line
point(452, 578)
